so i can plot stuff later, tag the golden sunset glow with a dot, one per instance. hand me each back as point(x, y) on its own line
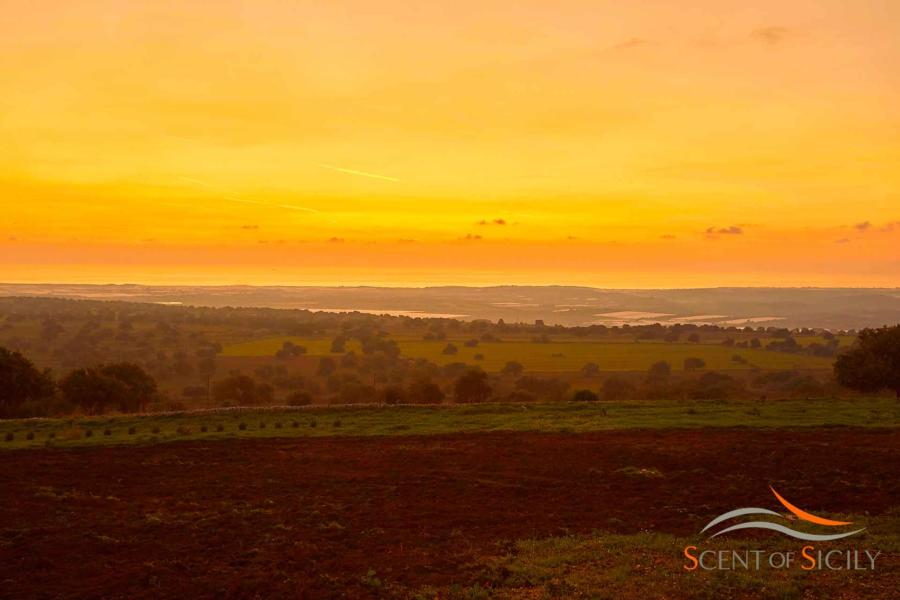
point(629, 144)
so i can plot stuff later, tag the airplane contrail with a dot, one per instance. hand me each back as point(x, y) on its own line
point(355, 172)
point(234, 197)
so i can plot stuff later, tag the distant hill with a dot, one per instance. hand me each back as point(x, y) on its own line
point(835, 308)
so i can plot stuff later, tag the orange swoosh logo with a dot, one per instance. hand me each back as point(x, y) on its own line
point(802, 514)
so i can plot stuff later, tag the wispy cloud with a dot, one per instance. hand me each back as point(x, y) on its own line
point(358, 173)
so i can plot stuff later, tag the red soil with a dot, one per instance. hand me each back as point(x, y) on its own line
point(309, 517)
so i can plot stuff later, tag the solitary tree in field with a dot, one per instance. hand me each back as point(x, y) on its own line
point(873, 363)
point(692, 364)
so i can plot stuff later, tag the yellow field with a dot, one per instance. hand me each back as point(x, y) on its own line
point(559, 356)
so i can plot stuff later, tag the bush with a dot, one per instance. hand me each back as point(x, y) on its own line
point(203, 429)
point(262, 425)
point(220, 428)
point(513, 368)
point(313, 423)
point(277, 424)
point(299, 399)
point(107, 432)
point(88, 433)
point(295, 424)
point(132, 430)
point(692, 364)
point(617, 389)
point(10, 437)
point(585, 396)
point(337, 423)
point(450, 349)
point(30, 435)
point(155, 430)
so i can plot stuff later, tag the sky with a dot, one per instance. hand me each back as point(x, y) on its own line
point(616, 144)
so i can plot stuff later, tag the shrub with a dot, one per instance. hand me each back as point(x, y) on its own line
point(299, 398)
point(450, 349)
point(585, 396)
point(88, 433)
point(203, 429)
point(337, 423)
point(107, 432)
point(262, 425)
point(277, 424)
point(220, 427)
point(10, 437)
point(242, 426)
point(313, 423)
point(132, 430)
point(183, 430)
point(30, 435)
point(155, 430)
point(295, 424)
point(617, 389)
point(51, 435)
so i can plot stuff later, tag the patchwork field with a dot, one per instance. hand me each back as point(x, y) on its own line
point(558, 356)
point(505, 515)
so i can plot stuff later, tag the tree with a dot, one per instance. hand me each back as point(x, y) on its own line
point(472, 387)
point(513, 368)
point(21, 382)
point(241, 390)
point(125, 387)
point(873, 363)
point(338, 344)
point(585, 396)
point(692, 364)
point(590, 370)
point(393, 394)
point(659, 372)
point(450, 349)
point(694, 338)
point(326, 366)
point(425, 392)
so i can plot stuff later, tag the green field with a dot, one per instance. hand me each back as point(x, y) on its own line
point(421, 420)
point(559, 356)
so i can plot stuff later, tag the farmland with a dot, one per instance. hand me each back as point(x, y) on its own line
point(476, 515)
point(421, 420)
point(558, 356)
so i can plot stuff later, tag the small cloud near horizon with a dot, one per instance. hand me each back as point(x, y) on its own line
point(770, 35)
point(864, 226)
point(731, 230)
point(336, 240)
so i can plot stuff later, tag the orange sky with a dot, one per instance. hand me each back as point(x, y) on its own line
point(609, 143)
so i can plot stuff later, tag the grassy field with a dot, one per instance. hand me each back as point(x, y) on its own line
point(420, 420)
point(560, 356)
point(651, 565)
